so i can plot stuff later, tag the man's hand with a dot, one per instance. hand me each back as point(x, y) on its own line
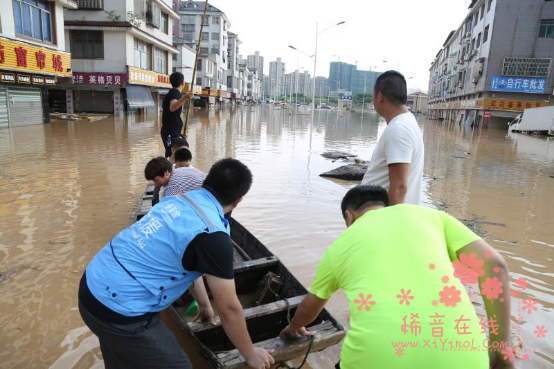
point(260, 358)
point(291, 330)
point(189, 95)
point(205, 313)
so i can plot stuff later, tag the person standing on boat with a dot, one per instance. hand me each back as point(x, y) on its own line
point(397, 162)
point(149, 265)
point(399, 267)
point(172, 106)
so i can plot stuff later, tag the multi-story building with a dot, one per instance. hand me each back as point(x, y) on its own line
point(321, 86)
point(233, 77)
point(346, 78)
point(417, 102)
point(276, 78)
point(497, 63)
point(122, 54)
point(183, 61)
point(305, 84)
point(32, 59)
point(256, 61)
point(213, 45)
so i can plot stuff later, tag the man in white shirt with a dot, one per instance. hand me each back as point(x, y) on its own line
point(397, 162)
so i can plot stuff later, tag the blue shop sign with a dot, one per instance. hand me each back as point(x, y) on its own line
point(534, 85)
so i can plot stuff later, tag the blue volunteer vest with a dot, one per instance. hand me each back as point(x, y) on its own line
point(140, 271)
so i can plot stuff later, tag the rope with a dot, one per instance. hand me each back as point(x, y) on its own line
point(282, 364)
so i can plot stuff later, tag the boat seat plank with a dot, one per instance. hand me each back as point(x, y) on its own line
point(287, 347)
point(251, 313)
point(255, 264)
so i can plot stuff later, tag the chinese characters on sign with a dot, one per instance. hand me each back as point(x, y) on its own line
point(149, 78)
point(20, 56)
point(512, 105)
point(69, 101)
point(117, 104)
point(519, 84)
point(103, 79)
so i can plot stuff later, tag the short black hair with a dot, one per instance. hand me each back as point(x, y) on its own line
point(157, 167)
point(176, 79)
point(364, 195)
point(228, 180)
point(183, 154)
point(179, 142)
point(393, 86)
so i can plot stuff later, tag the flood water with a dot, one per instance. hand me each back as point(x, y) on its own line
point(66, 188)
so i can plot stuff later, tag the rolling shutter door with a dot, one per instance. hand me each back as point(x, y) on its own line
point(4, 122)
point(25, 106)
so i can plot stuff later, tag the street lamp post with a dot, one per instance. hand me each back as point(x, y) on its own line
point(317, 33)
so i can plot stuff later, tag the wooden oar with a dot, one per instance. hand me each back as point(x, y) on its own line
point(186, 126)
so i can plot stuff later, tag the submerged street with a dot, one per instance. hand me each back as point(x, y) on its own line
point(68, 187)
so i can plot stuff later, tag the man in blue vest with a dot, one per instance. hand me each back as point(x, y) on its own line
point(147, 266)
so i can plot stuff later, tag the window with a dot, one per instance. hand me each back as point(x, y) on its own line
point(33, 19)
point(478, 40)
point(215, 49)
point(199, 81)
point(546, 28)
point(205, 36)
point(90, 4)
point(164, 22)
point(160, 61)
point(87, 44)
point(204, 51)
point(215, 36)
point(482, 12)
point(188, 36)
point(486, 35)
point(188, 27)
point(188, 19)
point(207, 20)
point(216, 20)
point(476, 18)
point(143, 57)
point(473, 44)
point(527, 67)
point(199, 65)
point(490, 6)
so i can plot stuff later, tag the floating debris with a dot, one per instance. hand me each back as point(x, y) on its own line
point(349, 172)
point(337, 155)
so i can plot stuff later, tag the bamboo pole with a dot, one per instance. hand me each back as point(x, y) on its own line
point(187, 114)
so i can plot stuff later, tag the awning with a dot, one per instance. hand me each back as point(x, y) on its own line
point(162, 91)
point(139, 97)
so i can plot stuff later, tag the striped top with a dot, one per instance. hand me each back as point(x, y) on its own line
point(183, 180)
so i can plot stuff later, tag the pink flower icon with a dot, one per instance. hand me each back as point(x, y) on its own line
point(399, 351)
point(509, 353)
point(541, 331)
point(405, 297)
point(522, 283)
point(435, 303)
point(364, 302)
point(445, 279)
point(468, 263)
point(450, 296)
point(491, 288)
point(488, 254)
point(431, 266)
point(466, 275)
point(529, 305)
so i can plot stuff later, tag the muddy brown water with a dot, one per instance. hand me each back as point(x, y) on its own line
point(66, 188)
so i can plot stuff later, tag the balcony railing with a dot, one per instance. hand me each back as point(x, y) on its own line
point(91, 4)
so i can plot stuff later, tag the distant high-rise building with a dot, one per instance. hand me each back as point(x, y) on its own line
point(276, 78)
point(345, 77)
point(256, 61)
point(321, 86)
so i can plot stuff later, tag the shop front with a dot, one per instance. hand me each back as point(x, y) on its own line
point(144, 88)
point(27, 72)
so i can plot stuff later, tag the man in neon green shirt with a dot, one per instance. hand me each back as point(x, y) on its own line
point(408, 309)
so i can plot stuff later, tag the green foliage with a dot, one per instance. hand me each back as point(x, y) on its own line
point(134, 19)
point(112, 15)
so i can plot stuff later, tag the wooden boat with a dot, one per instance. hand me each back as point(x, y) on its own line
point(270, 295)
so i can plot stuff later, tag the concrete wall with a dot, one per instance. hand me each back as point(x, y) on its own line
point(118, 53)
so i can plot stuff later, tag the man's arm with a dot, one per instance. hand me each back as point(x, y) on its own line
point(232, 319)
point(307, 312)
point(176, 104)
point(205, 310)
point(500, 309)
point(398, 176)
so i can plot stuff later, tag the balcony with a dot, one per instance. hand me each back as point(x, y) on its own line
point(90, 4)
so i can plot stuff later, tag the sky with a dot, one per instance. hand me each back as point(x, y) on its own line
point(407, 34)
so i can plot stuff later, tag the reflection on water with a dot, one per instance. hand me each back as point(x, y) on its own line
point(68, 187)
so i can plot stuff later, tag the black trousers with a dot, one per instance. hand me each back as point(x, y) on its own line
point(141, 345)
point(167, 141)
